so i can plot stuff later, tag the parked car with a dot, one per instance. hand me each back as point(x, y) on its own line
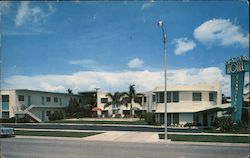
point(6, 132)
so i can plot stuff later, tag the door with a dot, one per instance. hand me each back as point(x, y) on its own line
point(42, 100)
point(205, 119)
point(43, 115)
point(29, 100)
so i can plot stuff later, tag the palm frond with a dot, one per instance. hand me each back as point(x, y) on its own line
point(107, 104)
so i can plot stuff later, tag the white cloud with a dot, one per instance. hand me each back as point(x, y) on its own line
point(182, 45)
point(147, 4)
point(26, 13)
point(82, 62)
point(4, 7)
point(222, 32)
point(89, 64)
point(135, 63)
point(118, 80)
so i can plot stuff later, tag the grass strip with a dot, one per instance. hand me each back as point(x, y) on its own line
point(140, 122)
point(207, 138)
point(55, 133)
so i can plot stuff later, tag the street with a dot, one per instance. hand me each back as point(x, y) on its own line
point(65, 148)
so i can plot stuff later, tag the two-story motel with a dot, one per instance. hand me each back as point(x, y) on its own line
point(185, 104)
point(197, 104)
point(36, 105)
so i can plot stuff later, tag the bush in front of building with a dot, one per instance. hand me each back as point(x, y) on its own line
point(223, 123)
point(150, 118)
point(188, 124)
point(226, 124)
point(12, 120)
point(55, 116)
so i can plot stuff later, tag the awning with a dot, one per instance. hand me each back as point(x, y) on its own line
point(185, 108)
point(97, 109)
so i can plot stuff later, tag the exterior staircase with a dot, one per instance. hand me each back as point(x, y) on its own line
point(27, 112)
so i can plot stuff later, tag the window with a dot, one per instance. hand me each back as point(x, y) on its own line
point(197, 96)
point(161, 97)
point(153, 98)
point(104, 100)
point(196, 119)
point(126, 99)
point(47, 113)
point(21, 98)
point(47, 99)
point(211, 96)
point(145, 99)
point(55, 99)
point(5, 98)
point(5, 115)
point(175, 118)
point(175, 97)
point(169, 119)
point(42, 100)
point(138, 99)
point(169, 98)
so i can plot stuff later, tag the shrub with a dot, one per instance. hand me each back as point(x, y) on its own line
point(55, 116)
point(19, 120)
point(150, 118)
point(225, 123)
point(188, 124)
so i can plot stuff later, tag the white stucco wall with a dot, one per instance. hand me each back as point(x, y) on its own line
point(15, 105)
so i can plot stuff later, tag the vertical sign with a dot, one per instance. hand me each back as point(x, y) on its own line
point(237, 67)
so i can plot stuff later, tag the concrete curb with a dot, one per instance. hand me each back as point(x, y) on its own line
point(46, 137)
point(206, 143)
point(169, 142)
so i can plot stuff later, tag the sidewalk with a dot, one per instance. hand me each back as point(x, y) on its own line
point(134, 137)
point(177, 133)
point(142, 137)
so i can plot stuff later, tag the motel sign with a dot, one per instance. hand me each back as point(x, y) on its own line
point(237, 67)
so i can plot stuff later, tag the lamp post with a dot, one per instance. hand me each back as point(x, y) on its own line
point(160, 24)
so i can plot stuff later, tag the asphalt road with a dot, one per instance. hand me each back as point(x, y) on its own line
point(53, 148)
point(98, 127)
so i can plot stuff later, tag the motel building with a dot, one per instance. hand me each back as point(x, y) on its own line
point(33, 104)
point(198, 104)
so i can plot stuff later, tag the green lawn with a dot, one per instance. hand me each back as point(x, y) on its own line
point(54, 133)
point(207, 138)
point(139, 122)
point(213, 130)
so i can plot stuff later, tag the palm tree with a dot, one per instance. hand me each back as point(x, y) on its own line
point(116, 99)
point(132, 96)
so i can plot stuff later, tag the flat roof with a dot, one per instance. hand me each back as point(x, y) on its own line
point(40, 91)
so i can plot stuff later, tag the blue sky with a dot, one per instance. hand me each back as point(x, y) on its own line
point(81, 45)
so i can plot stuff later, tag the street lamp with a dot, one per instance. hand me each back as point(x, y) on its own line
point(160, 24)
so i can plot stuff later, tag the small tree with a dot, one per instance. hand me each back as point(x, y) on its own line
point(132, 96)
point(116, 99)
point(150, 118)
point(73, 107)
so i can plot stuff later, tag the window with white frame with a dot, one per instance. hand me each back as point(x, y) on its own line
point(197, 96)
